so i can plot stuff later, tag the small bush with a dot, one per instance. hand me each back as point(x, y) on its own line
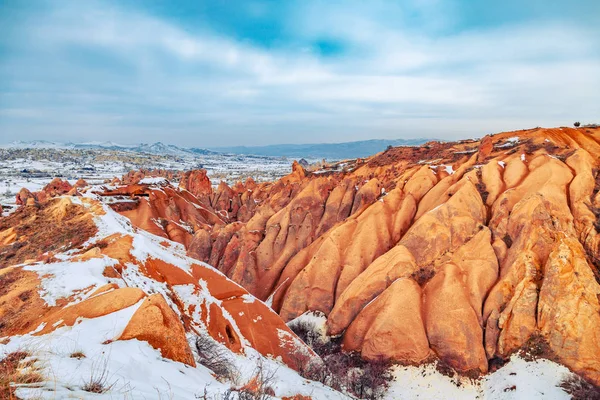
point(580, 389)
point(98, 381)
point(230, 394)
point(422, 275)
point(15, 369)
point(214, 356)
point(78, 355)
point(304, 330)
point(260, 386)
point(371, 381)
point(577, 124)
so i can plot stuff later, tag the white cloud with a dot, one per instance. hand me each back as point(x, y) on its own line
point(391, 81)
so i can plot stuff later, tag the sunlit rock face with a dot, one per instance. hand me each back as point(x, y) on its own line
point(462, 251)
point(98, 264)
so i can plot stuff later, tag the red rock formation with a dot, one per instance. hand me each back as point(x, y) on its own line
point(197, 183)
point(462, 251)
point(24, 196)
point(134, 177)
point(477, 239)
point(156, 323)
point(56, 187)
point(172, 294)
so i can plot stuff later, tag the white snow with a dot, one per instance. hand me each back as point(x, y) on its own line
point(154, 181)
point(248, 298)
point(316, 321)
point(62, 279)
point(518, 379)
point(134, 368)
point(510, 142)
point(531, 380)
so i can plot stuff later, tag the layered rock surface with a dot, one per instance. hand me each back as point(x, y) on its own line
point(462, 251)
point(112, 267)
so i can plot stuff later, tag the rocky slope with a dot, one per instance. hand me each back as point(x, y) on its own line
point(464, 252)
point(72, 259)
point(461, 251)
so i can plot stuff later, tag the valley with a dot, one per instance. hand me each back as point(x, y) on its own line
point(466, 269)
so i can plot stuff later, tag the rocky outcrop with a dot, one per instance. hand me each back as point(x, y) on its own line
point(134, 177)
point(164, 295)
point(391, 327)
point(156, 323)
point(57, 187)
point(197, 183)
point(463, 251)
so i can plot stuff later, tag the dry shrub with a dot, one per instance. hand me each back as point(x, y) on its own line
point(15, 369)
point(260, 386)
point(537, 347)
point(346, 372)
point(39, 230)
point(215, 357)
point(78, 355)
point(481, 187)
point(580, 389)
point(100, 379)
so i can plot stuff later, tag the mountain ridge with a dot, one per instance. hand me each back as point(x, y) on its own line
point(338, 151)
point(330, 151)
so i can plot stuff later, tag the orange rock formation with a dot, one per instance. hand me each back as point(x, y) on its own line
point(460, 250)
point(173, 294)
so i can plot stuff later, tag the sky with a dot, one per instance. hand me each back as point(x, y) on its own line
point(209, 73)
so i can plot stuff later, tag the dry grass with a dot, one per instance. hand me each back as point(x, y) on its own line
point(78, 355)
point(17, 368)
point(580, 389)
point(100, 379)
point(49, 227)
point(214, 356)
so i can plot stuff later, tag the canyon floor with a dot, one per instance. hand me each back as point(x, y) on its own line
point(462, 269)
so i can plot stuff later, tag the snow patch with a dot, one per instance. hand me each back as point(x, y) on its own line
point(61, 279)
point(154, 181)
point(518, 379)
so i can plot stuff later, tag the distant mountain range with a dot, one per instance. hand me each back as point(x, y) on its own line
point(153, 148)
point(329, 151)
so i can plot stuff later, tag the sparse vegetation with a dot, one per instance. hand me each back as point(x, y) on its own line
point(579, 388)
point(577, 124)
point(100, 379)
point(260, 386)
point(346, 372)
point(537, 347)
point(17, 368)
point(40, 232)
point(507, 240)
point(214, 356)
point(423, 275)
point(481, 187)
point(78, 355)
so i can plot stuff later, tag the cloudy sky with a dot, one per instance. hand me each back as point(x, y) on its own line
point(217, 72)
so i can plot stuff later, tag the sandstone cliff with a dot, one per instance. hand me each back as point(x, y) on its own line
point(462, 251)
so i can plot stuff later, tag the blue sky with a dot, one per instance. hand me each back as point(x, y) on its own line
point(210, 73)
